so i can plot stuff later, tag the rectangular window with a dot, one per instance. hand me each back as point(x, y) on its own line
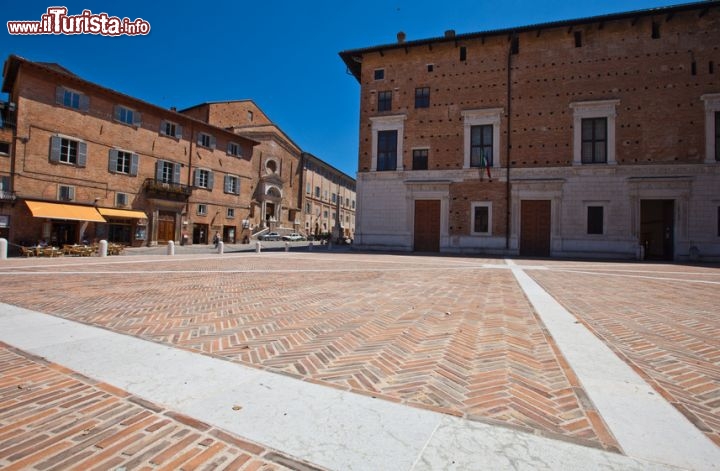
point(481, 217)
point(166, 172)
point(234, 149)
point(594, 140)
point(463, 53)
point(307, 188)
point(717, 136)
point(481, 146)
point(379, 74)
point(232, 185)
point(202, 209)
point(66, 193)
point(578, 38)
point(422, 97)
point(121, 200)
point(168, 128)
point(334, 198)
point(230, 213)
point(122, 165)
point(325, 214)
point(4, 148)
point(72, 99)
point(387, 150)
point(308, 208)
point(385, 100)
point(420, 159)
point(127, 115)
point(317, 192)
point(68, 151)
point(595, 219)
point(203, 178)
point(206, 140)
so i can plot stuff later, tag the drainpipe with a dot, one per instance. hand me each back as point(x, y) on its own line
point(508, 145)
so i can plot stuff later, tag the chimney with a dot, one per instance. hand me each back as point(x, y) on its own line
point(401, 37)
point(450, 33)
point(172, 108)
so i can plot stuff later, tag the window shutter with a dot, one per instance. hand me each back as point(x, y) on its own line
point(228, 188)
point(178, 131)
point(159, 169)
point(82, 154)
point(84, 103)
point(116, 112)
point(163, 127)
point(137, 118)
point(55, 143)
point(112, 161)
point(196, 177)
point(176, 173)
point(199, 139)
point(237, 185)
point(134, 165)
point(211, 180)
point(59, 95)
point(229, 148)
point(213, 142)
point(71, 193)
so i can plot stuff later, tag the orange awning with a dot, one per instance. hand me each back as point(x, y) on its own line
point(122, 213)
point(41, 209)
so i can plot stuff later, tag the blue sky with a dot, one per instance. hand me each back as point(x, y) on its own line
point(282, 54)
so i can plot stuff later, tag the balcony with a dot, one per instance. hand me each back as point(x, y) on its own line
point(167, 191)
point(7, 196)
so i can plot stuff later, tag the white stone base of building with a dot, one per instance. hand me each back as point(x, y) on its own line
point(385, 217)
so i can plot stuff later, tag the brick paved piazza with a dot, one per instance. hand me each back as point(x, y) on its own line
point(455, 335)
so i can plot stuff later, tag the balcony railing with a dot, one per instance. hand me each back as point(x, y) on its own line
point(7, 196)
point(168, 191)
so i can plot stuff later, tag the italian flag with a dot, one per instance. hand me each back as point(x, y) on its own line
point(486, 164)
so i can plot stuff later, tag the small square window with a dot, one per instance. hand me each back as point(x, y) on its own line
point(204, 140)
point(595, 219)
point(231, 213)
point(420, 159)
point(66, 193)
point(127, 116)
point(430, 67)
point(121, 200)
point(202, 209)
point(4, 148)
point(379, 74)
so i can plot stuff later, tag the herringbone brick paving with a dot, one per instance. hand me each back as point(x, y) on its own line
point(452, 335)
point(663, 320)
point(54, 419)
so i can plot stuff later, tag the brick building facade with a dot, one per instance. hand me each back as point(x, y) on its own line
point(79, 161)
point(329, 199)
point(589, 137)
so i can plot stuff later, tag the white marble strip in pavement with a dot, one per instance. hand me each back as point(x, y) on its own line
point(644, 423)
point(325, 426)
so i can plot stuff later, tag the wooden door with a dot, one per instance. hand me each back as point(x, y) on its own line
point(166, 227)
point(535, 228)
point(427, 226)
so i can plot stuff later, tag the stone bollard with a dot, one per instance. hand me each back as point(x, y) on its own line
point(3, 248)
point(221, 247)
point(287, 246)
point(258, 247)
point(171, 247)
point(102, 250)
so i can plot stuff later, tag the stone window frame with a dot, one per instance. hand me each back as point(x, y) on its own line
point(388, 123)
point(480, 204)
point(586, 208)
point(594, 109)
point(482, 117)
point(712, 106)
